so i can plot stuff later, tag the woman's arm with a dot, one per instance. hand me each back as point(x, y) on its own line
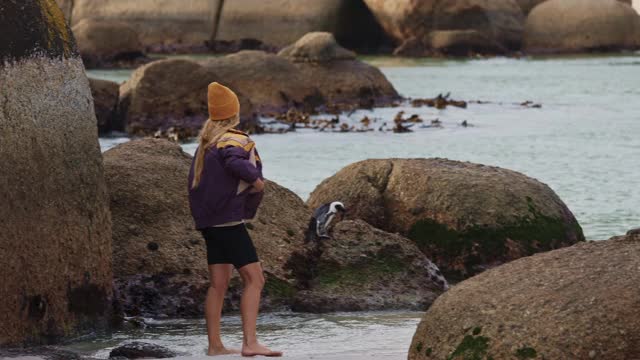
point(236, 160)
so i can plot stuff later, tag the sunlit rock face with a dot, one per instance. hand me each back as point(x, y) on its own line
point(55, 237)
point(581, 25)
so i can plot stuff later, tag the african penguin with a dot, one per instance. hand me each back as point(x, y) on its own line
point(321, 219)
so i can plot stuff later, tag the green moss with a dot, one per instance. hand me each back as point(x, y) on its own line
point(471, 348)
point(482, 244)
point(428, 352)
point(358, 274)
point(526, 353)
point(419, 347)
point(57, 27)
point(290, 232)
point(34, 28)
point(278, 288)
point(477, 331)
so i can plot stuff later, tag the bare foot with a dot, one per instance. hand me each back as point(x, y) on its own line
point(259, 350)
point(222, 351)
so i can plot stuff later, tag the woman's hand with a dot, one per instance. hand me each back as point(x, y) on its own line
point(257, 186)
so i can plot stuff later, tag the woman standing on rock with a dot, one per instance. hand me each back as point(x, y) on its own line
point(225, 189)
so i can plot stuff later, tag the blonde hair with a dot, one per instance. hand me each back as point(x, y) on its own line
point(211, 132)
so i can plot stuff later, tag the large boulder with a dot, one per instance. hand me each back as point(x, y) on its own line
point(108, 44)
point(581, 25)
point(364, 268)
point(160, 259)
point(55, 242)
point(410, 22)
point(337, 74)
point(271, 82)
point(580, 302)
point(272, 22)
point(281, 22)
point(169, 94)
point(105, 100)
point(155, 21)
point(465, 217)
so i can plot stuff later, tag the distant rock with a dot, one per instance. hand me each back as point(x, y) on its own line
point(157, 22)
point(105, 44)
point(316, 47)
point(172, 93)
point(105, 102)
point(274, 83)
point(581, 25)
point(141, 350)
point(500, 22)
point(465, 217)
point(363, 268)
point(463, 42)
point(281, 22)
point(341, 79)
point(55, 242)
point(579, 302)
point(528, 5)
point(271, 82)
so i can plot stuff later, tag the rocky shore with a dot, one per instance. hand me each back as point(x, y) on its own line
point(288, 56)
point(90, 240)
point(413, 28)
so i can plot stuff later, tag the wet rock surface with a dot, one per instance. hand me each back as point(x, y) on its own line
point(53, 204)
point(37, 353)
point(362, 268)
point(581, 25)
point(581, 302)
point(465, 217)
point(140, 350)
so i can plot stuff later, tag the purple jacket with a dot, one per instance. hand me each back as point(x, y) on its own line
point(216, 200)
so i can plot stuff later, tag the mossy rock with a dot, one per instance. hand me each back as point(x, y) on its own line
point(578, 302)
point(465, 217)
point(41, 31)
point(363, 268)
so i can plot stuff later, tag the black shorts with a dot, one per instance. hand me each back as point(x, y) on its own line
point(229, 245)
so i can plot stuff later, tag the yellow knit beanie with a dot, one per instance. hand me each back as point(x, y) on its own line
point(223, 103)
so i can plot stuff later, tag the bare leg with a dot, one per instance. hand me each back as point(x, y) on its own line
point(219, 275)
point(253, 279)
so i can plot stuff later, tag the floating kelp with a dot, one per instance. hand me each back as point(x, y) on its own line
point(439, 102)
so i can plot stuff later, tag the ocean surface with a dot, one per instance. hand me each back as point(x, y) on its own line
point(584, 142)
